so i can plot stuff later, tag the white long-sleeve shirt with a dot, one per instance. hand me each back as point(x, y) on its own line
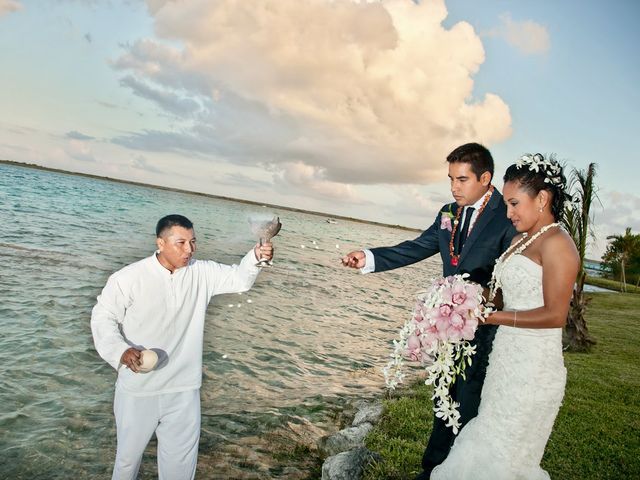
point(146, 306)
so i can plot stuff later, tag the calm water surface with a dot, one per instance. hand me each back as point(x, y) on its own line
point(313, 336)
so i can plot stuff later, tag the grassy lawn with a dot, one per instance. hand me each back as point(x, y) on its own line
point(596, 434)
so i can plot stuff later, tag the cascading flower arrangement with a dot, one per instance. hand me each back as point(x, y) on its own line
point(445, 318)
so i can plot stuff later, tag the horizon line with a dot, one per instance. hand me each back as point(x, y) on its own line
point(35, 166)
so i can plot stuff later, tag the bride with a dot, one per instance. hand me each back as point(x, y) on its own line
point(526, 377)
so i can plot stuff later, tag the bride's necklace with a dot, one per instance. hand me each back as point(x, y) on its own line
point(515, 249)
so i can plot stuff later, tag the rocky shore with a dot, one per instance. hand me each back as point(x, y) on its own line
point(345, 453)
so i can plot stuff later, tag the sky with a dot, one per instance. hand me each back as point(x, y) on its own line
point(338, 106)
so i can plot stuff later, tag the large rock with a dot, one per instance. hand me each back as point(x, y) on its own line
point(348, 465)
point(368, 413)
point(346, 439)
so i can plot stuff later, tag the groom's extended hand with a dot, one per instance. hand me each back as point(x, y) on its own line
point(355, 259)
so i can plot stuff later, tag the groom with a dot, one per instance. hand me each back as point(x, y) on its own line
point(469, 234)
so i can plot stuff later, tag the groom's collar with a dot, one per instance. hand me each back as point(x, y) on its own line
point(496, 199)
point(479, 202)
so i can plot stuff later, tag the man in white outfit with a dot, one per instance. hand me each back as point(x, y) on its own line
point(159, 303)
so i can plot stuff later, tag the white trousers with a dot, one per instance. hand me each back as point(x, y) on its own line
point(174, 417)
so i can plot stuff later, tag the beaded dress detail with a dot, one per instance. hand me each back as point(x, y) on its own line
point(521, 395)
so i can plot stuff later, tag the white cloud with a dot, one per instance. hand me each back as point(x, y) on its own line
point(75, 135)
point(141, 163)
point(309, 180)
point(334, 92)
point(529, 37)
point(9, 6)
point(79, 150)
point(168, 101)
point(620, 211)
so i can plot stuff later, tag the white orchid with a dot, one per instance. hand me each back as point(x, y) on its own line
point(437, 335)
point(549, 167)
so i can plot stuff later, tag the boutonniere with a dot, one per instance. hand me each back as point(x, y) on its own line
point(445, 219)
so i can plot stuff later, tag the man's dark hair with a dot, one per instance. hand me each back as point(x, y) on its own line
point(475, 155)
point(165, 223)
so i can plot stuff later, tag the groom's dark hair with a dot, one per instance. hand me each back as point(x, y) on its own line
point(475, 155)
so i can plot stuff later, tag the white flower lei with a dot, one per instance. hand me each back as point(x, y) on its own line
point(517, 248)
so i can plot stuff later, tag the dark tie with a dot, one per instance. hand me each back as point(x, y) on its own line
point(465, 227)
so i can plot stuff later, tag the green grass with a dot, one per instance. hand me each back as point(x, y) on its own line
point(597, 432)
point(611, 284)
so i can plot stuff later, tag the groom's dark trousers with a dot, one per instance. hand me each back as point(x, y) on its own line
point(490, 236)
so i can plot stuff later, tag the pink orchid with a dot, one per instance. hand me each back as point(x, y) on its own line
point(442, 328)
point(456, 324)
point(462, 328)
point(445, 310)
point(464, 297)
point(428, 339)
point(447, 295)
point(445, 222)
point(413, 348)
point(441, 313)
point(469, 329)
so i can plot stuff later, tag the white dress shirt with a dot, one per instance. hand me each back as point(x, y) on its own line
point(146, 306)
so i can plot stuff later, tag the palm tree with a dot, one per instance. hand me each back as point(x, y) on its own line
point(620, 251)
point(577, 221)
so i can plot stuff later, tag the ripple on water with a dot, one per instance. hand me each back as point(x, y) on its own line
point(314, 335)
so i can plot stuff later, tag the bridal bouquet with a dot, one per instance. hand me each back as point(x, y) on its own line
point(445, 318)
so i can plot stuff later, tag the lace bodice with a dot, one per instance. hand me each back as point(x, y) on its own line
point(521, 280)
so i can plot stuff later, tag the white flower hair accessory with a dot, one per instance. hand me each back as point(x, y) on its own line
point(572, 203)
point(549, 167)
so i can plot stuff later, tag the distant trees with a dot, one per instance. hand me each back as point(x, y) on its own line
point(622, 257)
point(577, 221)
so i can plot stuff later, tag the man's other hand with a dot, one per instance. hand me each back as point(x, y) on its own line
point(132, 359)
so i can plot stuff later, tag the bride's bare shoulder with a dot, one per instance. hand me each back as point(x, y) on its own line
point(559, 242)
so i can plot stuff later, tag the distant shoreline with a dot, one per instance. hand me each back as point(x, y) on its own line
point(209, 195)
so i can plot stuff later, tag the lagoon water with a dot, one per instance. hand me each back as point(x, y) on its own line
point(309, 337)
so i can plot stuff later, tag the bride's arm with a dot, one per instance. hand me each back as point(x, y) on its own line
point(559, 270)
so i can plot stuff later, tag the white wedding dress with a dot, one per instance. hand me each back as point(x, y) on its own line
point(522, 392)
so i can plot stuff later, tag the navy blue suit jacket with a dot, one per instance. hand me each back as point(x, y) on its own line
point(490, 236)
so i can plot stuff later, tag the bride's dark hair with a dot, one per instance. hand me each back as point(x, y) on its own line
point(536, 173)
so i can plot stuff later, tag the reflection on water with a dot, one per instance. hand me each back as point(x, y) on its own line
point(287, 355)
